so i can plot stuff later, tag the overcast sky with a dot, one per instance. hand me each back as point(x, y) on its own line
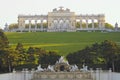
point(10, 9)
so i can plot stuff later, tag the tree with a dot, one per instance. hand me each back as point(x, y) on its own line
point(109, 26)
point(1, 59)
point(109, 50)
point(20, 48)
point(49, 58)
point(33, 53)
point(4, 43)
point(13, 26)
point(107, 53)
point(9, 58)
point(83, 56)
point(117, 63)
point(31, 50)
point(95, 25)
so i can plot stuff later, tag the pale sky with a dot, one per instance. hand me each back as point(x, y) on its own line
point(10, 9)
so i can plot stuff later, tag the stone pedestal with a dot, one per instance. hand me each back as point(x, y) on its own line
point(62, 76)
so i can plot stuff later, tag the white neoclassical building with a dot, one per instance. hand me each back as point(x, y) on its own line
point(60, 20)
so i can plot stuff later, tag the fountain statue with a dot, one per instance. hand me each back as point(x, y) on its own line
point(74, 68)
point(39, 68)
point(84, 68)
point(51, 68)
point(61, 60)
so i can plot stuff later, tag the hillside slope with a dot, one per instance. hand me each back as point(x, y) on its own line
point(61, 42)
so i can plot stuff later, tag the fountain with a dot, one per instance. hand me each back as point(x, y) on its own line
point(62, 70)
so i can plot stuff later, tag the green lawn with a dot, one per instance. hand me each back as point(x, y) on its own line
point(61, 42)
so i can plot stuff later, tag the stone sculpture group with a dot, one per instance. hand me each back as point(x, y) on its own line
point(62, 61)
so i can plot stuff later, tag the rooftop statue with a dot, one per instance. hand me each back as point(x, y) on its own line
point(61, 8)
point(54, 10)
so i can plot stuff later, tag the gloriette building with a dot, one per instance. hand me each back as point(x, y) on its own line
point(60, 20)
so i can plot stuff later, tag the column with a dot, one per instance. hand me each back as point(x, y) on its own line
point(23, 75)
point(110, 74)
point(93, 24)
point(57, 25)
point(86, 24)
point(99, 23)
point(73, 24)
point(27, 74)
point(19, 23)
point(14, 75)
point(92, 75)
point(70, 24)
point(97, 76)
point(49, 24)
point(41, 24)
point(23, 26)
point(80, 23)
point(54, 25)
point(35, 25)
point(29, 25)
point(103, 24)
point(64, 24)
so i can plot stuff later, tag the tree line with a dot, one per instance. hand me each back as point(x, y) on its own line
point(19, 57)
point(15, 25)
point(99, 55)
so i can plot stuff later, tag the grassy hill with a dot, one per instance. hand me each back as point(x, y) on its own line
point(61, 42)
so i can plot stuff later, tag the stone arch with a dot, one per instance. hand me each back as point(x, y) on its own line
point(61, 67)
point(61, 23)
point(67, 23)
point(27, 23)
point(45, 23)
point(55, 22)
